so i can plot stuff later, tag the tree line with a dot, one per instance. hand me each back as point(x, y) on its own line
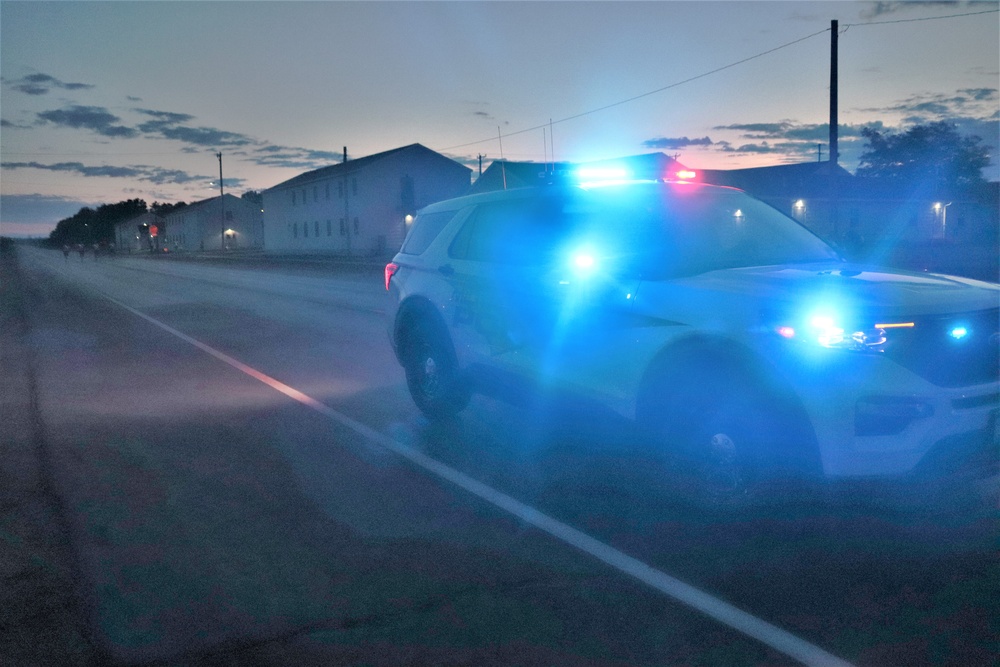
point(97, 225)
point(935, 155)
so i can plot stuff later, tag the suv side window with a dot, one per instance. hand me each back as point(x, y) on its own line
point(425, 229)
point(519, 232)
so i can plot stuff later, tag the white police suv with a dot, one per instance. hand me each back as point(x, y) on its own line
point(725, 327)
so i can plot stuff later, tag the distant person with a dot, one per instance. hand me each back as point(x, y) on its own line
point(66, 251)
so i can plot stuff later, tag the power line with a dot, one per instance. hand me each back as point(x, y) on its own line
point(647, 94)
point(709, 73)
point(926, 18)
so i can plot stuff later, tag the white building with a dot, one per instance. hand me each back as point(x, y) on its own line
point(359, 207)
point(201, 225)
point(139, 234)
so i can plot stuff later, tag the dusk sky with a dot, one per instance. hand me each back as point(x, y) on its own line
point(109, 101)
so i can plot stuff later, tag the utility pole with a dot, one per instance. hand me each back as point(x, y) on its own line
point(480, 156)
point(222, 204)
point(834, 151)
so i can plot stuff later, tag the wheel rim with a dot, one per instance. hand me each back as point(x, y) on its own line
point(724, 475)
point(430, 376)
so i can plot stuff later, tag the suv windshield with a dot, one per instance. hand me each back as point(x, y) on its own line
point(660, 232)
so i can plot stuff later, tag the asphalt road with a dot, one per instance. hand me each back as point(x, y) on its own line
point(220, 465)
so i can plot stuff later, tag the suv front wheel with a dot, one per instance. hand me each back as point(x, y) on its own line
point(432, 373)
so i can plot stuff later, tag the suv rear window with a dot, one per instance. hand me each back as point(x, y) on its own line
point(426, 228)
point(523, 232)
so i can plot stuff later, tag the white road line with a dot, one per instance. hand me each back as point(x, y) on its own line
point(718, 609)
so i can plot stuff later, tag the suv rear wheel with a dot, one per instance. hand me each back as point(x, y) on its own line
point(432, 373)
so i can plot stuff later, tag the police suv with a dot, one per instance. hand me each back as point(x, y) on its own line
point(724, 327)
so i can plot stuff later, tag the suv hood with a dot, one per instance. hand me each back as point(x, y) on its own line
point(879, 290)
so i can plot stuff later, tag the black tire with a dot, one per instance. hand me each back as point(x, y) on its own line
point(727, 440)
point(432, 373)
point(724, 439)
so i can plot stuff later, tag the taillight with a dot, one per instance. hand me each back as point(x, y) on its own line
point(390, 271)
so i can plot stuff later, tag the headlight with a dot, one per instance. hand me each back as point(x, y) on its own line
point(829, 331)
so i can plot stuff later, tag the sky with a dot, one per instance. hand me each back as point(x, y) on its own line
point(106, 101)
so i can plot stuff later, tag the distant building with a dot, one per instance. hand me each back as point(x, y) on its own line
point(139, 234)
point(203, 225)
point(359, 207)
point(803, 191)
point(863, 212)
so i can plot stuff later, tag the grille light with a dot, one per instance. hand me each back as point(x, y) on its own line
point(958, 333)
point(826, 330)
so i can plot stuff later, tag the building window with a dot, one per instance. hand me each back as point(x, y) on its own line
point(295, 230)
point(329, 227)
point(316, 227)
point(357, 226)
point(305, 230)
point(343, 228)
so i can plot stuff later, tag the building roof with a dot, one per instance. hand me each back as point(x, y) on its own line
point(353, 165)
point(195, 206)
point(805, 178)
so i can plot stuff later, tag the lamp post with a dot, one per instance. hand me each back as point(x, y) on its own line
point(942, 210)
point(222, 205)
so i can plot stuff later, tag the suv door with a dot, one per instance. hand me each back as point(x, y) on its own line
point(532, 298)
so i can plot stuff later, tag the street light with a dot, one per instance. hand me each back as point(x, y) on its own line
point(942, 210)
point(799, 209)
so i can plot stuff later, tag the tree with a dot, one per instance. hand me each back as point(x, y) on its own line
point(163, 209)
point(933, 155)
point(254, 197)
point(90, 226)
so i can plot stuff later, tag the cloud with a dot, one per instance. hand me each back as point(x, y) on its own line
point(166, 117)
point(675, 142)
point(789, 140)
point(758, 149)
point(287, 157)
point(204, 136)
point(174, 126)
point(95, 119)
point(758, 129)
point(12, 125)
point(883, 8)
point(147, 173)
point(981, 94)
point(972, 103)
point(41, 84)
point(170, 125)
